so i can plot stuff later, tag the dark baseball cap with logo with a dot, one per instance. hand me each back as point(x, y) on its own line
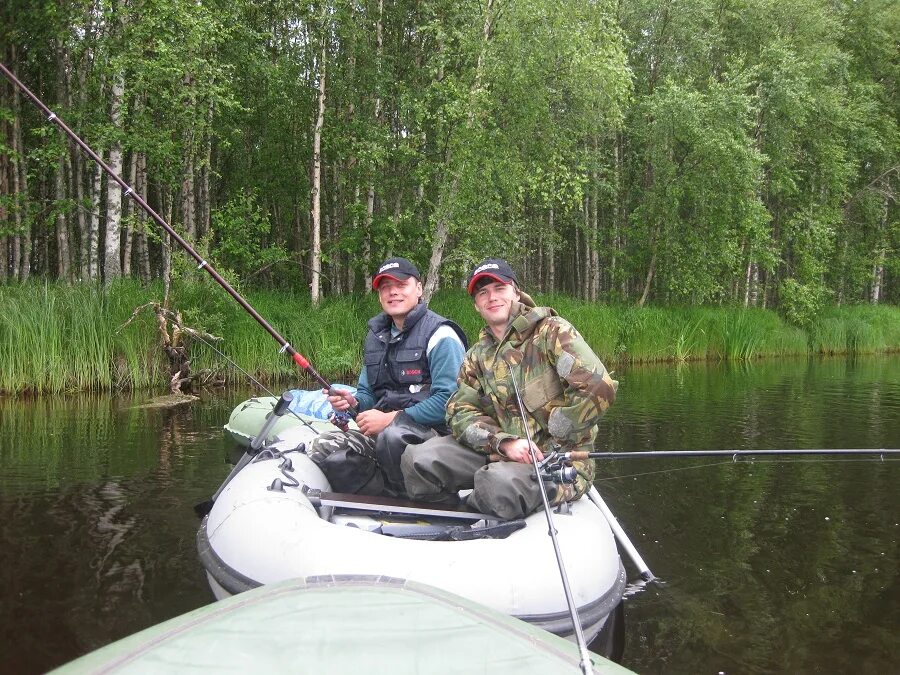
point(398, 269)
point(492, 268)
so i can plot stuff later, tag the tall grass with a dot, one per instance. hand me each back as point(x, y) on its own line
point(72, 338)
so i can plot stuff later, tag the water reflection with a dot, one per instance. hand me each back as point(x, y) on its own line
point(772, 566)
point(769, 566)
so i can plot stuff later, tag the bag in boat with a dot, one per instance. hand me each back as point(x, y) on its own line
point(348, 462)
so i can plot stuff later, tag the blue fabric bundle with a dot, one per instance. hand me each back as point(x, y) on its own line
point(313, 402)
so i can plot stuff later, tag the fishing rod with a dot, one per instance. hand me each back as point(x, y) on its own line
point(286, 347)
point(557, 468)
point(572, 456)
point(556, 460)
point(586, 664)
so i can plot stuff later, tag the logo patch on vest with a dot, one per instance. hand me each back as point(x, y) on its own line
point(410, 371)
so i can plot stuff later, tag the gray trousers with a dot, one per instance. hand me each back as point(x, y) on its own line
point(438, 468)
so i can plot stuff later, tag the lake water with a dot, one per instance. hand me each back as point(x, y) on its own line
point(767, 566)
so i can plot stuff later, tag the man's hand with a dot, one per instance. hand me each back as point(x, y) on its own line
point(373, 422)
point(516, 450)
point(340, 399)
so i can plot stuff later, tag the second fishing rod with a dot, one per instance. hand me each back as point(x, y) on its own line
point(128, 191)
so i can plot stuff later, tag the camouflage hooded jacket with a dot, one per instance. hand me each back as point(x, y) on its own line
point(564, 387)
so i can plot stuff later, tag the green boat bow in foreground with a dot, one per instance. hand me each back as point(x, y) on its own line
point(341, 625)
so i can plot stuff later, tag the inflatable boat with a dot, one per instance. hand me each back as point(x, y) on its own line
point(275, 519)
point(248, 417)
point(336, 625)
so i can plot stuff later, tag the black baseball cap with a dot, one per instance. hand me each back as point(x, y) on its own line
point(493, 268)
point(398, 269)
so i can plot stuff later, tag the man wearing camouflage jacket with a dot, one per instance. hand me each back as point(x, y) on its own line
point(564, 387)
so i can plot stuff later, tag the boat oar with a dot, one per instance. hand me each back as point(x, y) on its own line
point(297, 357)
point(281, 407)
point(620, 535)
point(586, 664)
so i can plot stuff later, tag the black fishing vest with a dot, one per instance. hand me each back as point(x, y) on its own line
point(393, 364)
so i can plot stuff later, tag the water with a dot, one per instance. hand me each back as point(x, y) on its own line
point(768, 566)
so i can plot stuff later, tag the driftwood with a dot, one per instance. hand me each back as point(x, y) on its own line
point(170, 401)
point(175, 345)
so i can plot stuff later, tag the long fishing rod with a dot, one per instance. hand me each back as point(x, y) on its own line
point(586, 664)
point(297, 357)
point(557, 457)
point(648, 454)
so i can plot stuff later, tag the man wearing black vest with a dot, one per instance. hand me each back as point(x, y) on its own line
point(411, 358)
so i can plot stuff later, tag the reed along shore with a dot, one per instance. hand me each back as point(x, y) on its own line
point(57, 338)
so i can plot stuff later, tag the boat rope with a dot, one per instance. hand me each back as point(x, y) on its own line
point(285, 346)
point(586, 663)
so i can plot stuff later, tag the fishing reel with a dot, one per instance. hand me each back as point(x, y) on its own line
point(340, 419)
point(556, 468)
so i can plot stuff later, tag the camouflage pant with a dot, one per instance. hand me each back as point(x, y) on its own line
point(354, 462)
point(330, 442)
point(438, 468)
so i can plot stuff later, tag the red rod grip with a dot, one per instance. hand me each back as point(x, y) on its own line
point(302, 362)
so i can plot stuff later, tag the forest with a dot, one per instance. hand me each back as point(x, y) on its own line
point(687, 152)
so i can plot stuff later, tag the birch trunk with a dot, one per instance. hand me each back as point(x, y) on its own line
point(594, 236)
point(81, 215)
point(878, 266)
point(551, 251)
point(130, 211)
point(63, 266)
point(446, 200)
point(651, 269)
point(63, 240)
point(92, 253)
point(166, 203)
point(79, 162)
point(334, 269)
point(143, 250)
point(370, 194)
point(877, 278)
point(187, 196)
point(582, 255)
point(15, 250)
point(753, 287)
point(112, 264)
point(351, 270)
point(618, 215)
point(204, 198)
point(315, 207)
point(21, 243)
point(5, 192)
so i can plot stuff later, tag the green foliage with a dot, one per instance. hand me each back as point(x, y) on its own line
point(243, 233)
point(686, 145)
point(801, 303)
